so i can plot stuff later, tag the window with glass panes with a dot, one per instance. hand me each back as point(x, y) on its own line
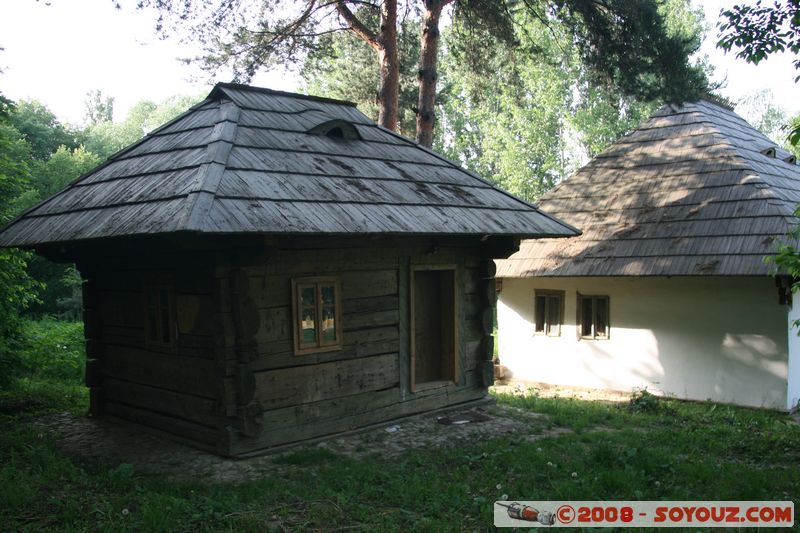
point(317, 315)
point(159, 315)
point(593, 317)
point(548, 312)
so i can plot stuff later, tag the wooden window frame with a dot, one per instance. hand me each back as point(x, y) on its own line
point(547, 294)
point(320, 345)
point(579, 323)
point(426, 385)
point(158, 342)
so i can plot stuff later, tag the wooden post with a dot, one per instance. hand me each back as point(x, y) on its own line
point(404, 292)
point(246, 321)
point(489, 300)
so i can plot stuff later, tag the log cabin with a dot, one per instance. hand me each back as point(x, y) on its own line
point(272, 267)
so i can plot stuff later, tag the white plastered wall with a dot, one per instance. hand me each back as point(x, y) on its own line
point(723, 339)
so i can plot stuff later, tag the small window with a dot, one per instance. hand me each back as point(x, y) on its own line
point(593, 317)
point(159, 315)
point(548, 312)
point(317, 315)
point(336, 129)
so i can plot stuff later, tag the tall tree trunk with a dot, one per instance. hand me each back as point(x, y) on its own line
point(389, 86)
point(385, 44)
point(427, 74)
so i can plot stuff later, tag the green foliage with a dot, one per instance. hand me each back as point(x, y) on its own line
point(345, 67)
point(759, 31)
point(794, 135)
point(40, 128)
point(60, 293)
point(533, 111)
point(61, 168)
point(14, 170)
point(512, 132)
point(98, 108)
point(630, 45)
point(17, 289)
point(645, 402)
point(761, 111)
point(47, 374)
point(626, 45)
point(106, 138)
point(601, 117)
point(53, 349)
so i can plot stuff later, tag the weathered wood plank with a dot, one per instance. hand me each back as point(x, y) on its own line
point(292, 386)
point(333, 409)
point(414, 404)
point(196, 434)
point(370, 305)
point(362, 343)
point(189, 407)
point(122, 308)
point(357, 321)
point(174, 372)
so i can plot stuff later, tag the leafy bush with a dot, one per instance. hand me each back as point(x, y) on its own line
point(643, 401)
point(53, 349)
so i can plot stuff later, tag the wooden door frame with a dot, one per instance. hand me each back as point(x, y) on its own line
point(413, 327)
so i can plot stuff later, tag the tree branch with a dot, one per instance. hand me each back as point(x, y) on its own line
point(358, 27)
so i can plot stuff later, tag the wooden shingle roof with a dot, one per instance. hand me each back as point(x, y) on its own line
point(690, 192)
point(244, 161)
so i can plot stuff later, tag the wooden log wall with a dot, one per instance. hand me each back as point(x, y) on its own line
point(174, 389)
point(231, 383)
point(296, 397)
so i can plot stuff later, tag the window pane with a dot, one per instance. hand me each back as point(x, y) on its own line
point(601, 317)
point(308, 295)
point(540, 313)
point(308, 329)
point(553, 314)
point(328, 324)
point(328, 294)
point(586, 317)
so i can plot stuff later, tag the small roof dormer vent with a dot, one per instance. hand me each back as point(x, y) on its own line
point(337, 129)
point(769, 152)
point(792, 159)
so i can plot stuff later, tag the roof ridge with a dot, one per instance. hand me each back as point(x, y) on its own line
point(719, 100)
point(218, 151)
point(251, 88)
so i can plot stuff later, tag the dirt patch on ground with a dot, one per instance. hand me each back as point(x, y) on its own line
point(546, 390)
point(102, 443)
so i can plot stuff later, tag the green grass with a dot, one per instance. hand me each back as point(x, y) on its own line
point(653, 449)
point(49, 373)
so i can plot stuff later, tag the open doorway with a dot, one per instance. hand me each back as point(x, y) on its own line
point(433, 326)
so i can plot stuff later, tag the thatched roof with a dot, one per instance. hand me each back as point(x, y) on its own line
point(251, 160)
point(694, 191)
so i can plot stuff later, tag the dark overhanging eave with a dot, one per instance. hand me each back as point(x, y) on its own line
point(194, 233)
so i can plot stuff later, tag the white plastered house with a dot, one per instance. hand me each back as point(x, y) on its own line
point(667, 288)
